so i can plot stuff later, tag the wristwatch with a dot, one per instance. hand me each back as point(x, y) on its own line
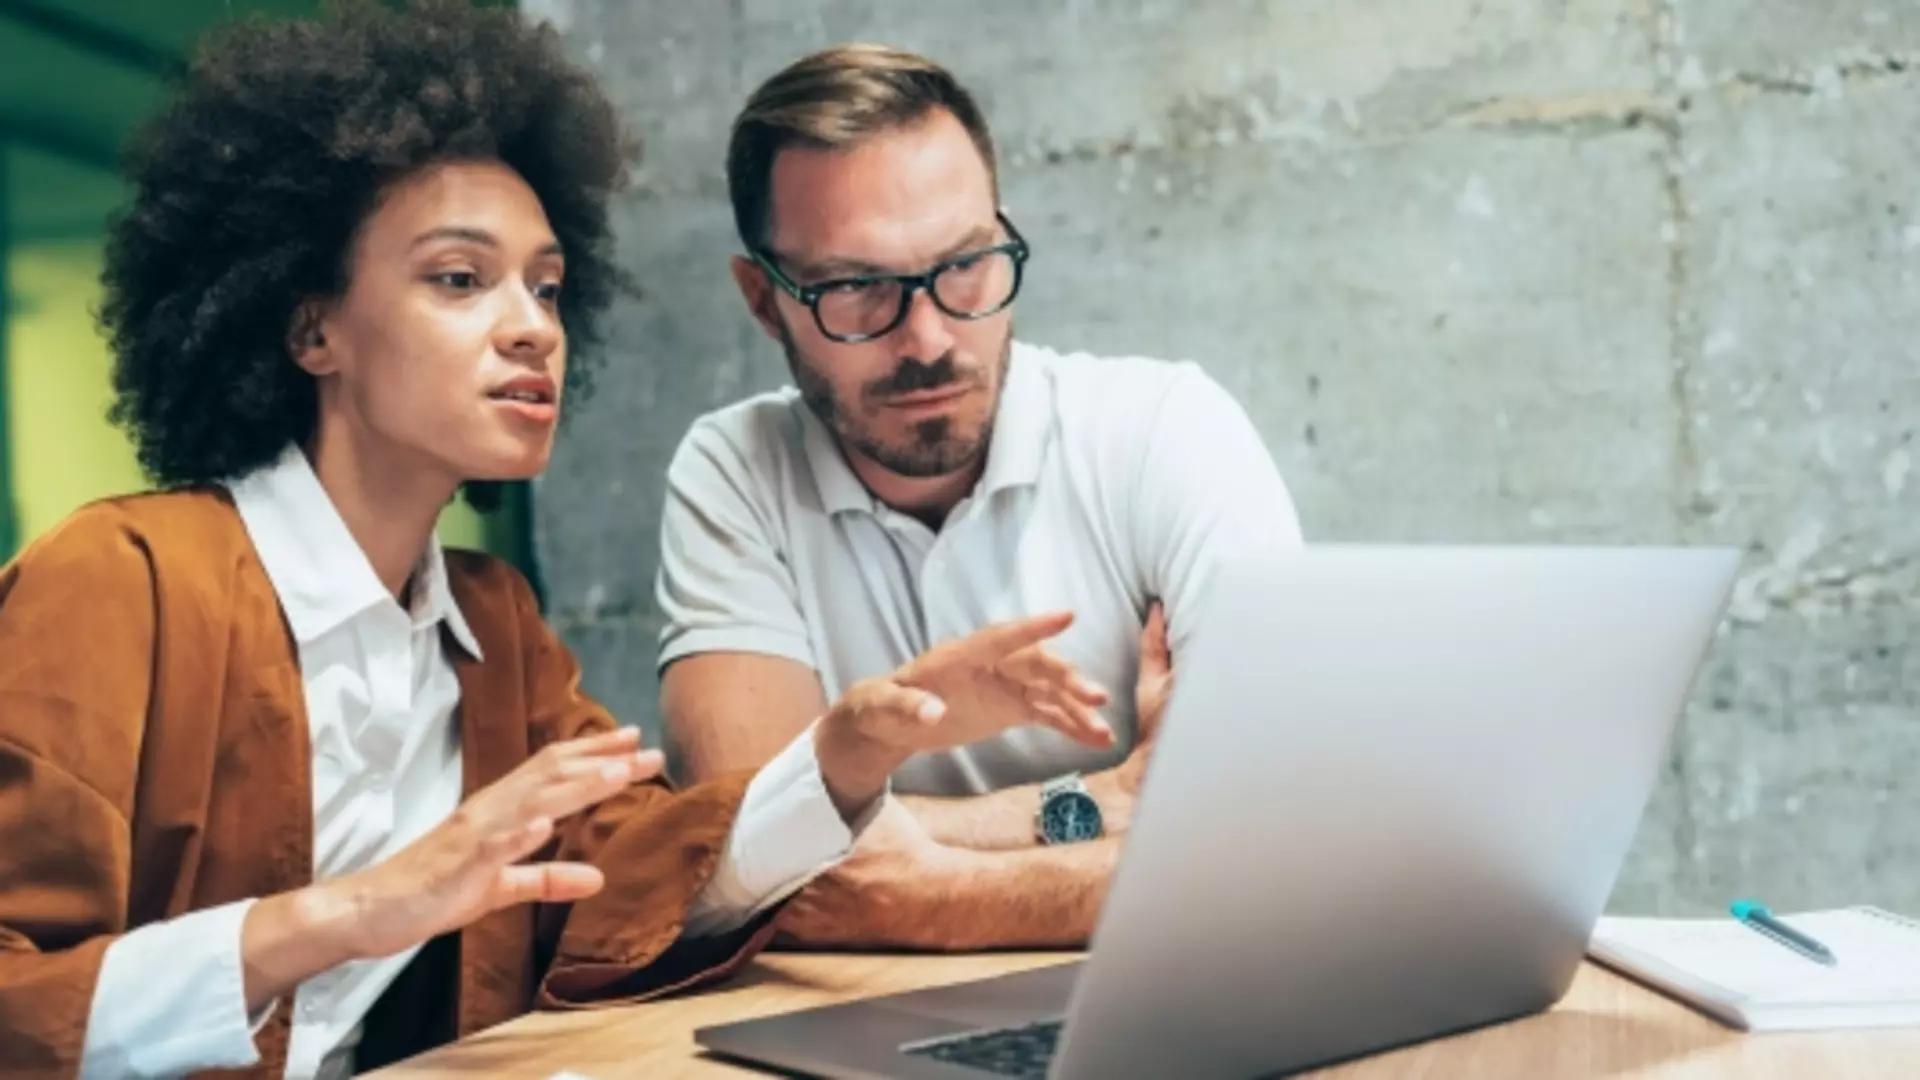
point(1068, 812)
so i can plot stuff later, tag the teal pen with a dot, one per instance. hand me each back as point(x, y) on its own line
point(1756, 915)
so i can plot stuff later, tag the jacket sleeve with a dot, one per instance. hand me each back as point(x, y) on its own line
point(77, 619)
point(657, 845)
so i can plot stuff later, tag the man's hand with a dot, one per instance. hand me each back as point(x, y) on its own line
point(1150, 692)
point(885, 881)
point(466, 867)
point(954, 694)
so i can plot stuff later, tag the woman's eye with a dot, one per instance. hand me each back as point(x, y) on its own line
point(457, 279)
point(549, 291)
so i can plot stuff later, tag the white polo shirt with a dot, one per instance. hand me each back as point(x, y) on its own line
point(1108, 482)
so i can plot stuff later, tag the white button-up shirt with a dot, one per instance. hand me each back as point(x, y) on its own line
point(1109, 482)
point(380, 698)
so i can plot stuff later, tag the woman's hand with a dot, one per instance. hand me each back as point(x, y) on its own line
point(466, 867)
point(470, 865)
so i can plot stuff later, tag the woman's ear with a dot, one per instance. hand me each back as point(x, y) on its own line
point(307, 339)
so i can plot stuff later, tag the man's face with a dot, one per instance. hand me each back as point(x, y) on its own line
point(919, 399)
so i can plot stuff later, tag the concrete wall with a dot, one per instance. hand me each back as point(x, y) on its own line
point(1497, 270)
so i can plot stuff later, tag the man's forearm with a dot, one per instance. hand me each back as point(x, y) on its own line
point(999, 821)
point(1005, 820)
point(1038, 898)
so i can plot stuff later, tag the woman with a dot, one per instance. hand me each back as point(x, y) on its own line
point(284, 787)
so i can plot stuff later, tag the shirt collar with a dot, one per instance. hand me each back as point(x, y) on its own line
point(840, 489)
point(318, 570)
point(1023, 424)
point(1022, 428)
point(433, 599)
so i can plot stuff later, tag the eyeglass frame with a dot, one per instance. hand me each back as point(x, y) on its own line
point(1016, 248)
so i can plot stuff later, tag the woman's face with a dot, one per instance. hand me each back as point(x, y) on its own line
point(446, 353)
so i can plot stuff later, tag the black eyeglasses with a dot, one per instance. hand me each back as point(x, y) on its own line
point(971, 285)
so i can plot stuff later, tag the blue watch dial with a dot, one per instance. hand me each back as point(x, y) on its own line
point(1070, 817)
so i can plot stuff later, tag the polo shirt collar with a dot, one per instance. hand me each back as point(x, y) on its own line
point(1023, 425)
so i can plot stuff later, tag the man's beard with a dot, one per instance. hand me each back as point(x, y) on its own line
point(932, 449)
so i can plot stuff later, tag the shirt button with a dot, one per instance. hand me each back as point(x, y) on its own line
point(309, 1011)
point(379, 782)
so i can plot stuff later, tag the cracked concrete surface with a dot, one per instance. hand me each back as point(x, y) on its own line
point(1491, 270)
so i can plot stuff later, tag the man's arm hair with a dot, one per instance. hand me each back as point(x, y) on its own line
point(1038, 898)
point(1006, 819)
point(998, 821)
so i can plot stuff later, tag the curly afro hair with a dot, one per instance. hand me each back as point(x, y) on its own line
point(250, 187)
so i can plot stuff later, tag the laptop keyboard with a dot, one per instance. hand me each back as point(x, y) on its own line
point(1016, 1051)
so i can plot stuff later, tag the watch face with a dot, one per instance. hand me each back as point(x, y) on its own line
point(1070, 817)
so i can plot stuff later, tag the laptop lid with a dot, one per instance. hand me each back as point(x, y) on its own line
point(1392, 791)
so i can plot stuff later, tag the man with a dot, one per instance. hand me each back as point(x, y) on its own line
point(930, 474)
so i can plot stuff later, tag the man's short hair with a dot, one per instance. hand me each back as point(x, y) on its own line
point(835, 99)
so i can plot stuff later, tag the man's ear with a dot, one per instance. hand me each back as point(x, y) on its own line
point(759, 293)
point(307, 339)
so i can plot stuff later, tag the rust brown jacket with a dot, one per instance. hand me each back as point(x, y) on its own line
point(154, 760)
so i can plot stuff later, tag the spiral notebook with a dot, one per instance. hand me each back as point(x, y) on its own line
point(1746, 980)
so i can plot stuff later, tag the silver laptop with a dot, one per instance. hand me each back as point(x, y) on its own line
point(1393, 790)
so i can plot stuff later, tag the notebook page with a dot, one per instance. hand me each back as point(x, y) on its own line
point(1879, 959)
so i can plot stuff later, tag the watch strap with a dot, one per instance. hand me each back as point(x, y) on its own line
point(1062, 784)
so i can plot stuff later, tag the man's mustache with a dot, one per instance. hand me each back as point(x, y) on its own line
point(912, 376)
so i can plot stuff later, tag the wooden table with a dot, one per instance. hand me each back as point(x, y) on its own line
point(1605, 1026)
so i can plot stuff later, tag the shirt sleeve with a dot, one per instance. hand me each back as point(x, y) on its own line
point(172, 1000)
point(1209, 487)
point(723, 583)
point(788, 832)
